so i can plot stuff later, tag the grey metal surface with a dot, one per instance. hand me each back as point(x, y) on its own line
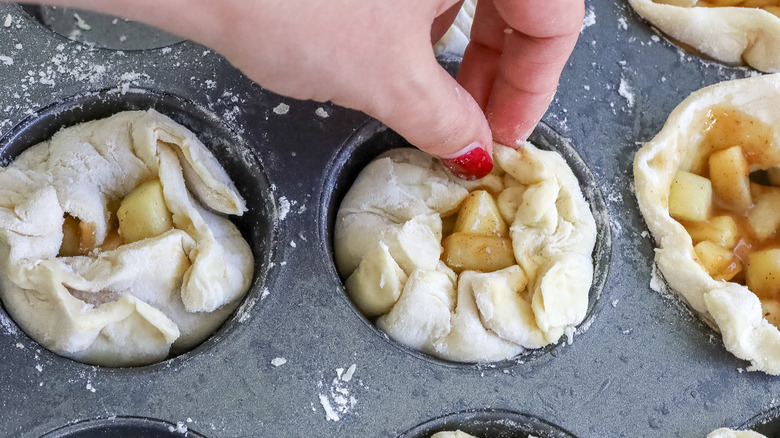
point(643, 366)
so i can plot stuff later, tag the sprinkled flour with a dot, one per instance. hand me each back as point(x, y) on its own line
point(337, 400)
point(282, 109)
point(321, 112)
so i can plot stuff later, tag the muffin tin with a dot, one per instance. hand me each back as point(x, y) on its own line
point(297, 359)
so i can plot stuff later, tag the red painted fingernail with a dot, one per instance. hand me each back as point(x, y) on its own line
point(470, 163)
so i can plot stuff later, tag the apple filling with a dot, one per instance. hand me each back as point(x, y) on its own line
point(140, 215)
point(732, 217)
point(477, 237)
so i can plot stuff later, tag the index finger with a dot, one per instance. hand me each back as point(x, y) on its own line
point(517, 52)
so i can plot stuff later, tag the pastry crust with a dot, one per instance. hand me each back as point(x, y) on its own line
point(732, 35)
point(389, 232)
point(728, 307)
point(729, 433)
point(130, 305)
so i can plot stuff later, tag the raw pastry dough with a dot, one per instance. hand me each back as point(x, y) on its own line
point(448, 434)
point(728, 433)
point(728, 307)
point(457, 37)
point(388, 238)
point(134, 304)
point(729, 34)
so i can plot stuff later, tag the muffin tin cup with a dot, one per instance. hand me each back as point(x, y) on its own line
point(256, 225)
point(373, 138)
point(297, 358)
point(124, 427)
point(489, 423)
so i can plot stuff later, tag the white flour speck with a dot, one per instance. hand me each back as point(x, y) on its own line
point(284, 207)
point(321, 112)
point(245, 311)
point(337, 399)
point(590, 19)
point(625, 90)
point(80, 23)
point(6, 325)
point(282, 109)
point(179, 428)
point(6, 60)
point(8, 21)
point(278, 361)
point(346, 377)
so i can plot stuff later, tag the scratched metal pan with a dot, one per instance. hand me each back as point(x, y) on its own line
point(297, 359)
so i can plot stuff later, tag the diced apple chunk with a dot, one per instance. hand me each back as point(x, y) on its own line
point(143, 213)
point(719, 262)
point(479, 214)
point(730, 177)
point(773, 173)
point(690, 197)
point(764, 217)
point(771, 309)
point(721, 230)
point(763, 273)
point(71, 239)
point(474, 252)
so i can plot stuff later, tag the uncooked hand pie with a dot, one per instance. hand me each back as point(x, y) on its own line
point(468, 271)
point(732, 31)
point(709, 190)
point(113, 250)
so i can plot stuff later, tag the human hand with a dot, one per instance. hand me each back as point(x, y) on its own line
point(377, 57)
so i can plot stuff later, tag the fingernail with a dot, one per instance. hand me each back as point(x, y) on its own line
point(470, 163)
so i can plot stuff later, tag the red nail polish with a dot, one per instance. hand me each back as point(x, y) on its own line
point(474, 163)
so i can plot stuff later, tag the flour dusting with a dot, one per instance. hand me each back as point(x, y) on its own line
point(282, 109)
point(590, 19)
point(321, 112)
point(627, 92)
point(337, 400)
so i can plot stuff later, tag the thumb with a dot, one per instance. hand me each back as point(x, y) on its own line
point(426, 106)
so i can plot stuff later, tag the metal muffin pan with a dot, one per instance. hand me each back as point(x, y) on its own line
point(297, 359)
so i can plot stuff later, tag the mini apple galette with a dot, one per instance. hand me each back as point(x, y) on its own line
point(731, 31)
point(708, 186)
point(468, 271)
point(112, 248)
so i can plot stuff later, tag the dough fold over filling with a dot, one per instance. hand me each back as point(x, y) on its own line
point(715, 225)
point(80, 270)
point(468, 271)
point(730, 31)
